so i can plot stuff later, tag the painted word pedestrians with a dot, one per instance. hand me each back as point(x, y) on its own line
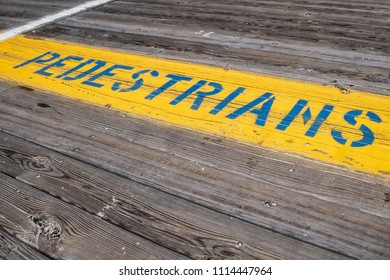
point(312, 120)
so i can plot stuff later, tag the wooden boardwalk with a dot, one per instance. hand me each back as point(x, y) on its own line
point(82, 181)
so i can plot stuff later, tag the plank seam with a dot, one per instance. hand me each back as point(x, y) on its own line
point(51, 18)
point(110, 221)
point(87, 212)
point(23, 243)
point(161, 189)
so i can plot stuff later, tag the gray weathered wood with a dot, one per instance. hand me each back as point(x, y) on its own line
point(63, 231)
point(182, 226)
point(323, 210)
point(332, 42)
point(307, 210)
point(14, 13)
point(13, 249)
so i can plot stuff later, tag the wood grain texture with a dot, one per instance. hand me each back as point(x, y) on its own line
point(18, 12)
point(79, 181)
point(179, 225)
point(61, 231)
point(330, 208)
point(12, 248)
point(343, 43)
point(331, 136)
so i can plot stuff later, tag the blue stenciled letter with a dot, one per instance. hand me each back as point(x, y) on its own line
point(106, 72)
point(201, 95)
point(58, 63)
point(368, 135)
point(173, 80)
point(98, 64)
point(262, 113)
point(137, 84)
point(227, 100)
point(40, 59)
point(296, 110)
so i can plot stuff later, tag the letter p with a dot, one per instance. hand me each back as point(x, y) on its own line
point(46, 57)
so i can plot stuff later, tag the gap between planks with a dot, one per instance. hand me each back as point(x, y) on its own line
point(332, 216)
point(62, 231)
point(179, 225)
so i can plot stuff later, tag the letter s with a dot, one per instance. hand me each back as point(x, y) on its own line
point(138, 81)
point(368, 135)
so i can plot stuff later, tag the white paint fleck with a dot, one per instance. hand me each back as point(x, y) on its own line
point(115, 201)
point(204, 33)
point(57, 160)
point(269, 204)
point(101, 214)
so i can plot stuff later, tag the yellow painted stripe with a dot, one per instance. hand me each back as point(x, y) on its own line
point(317, 121)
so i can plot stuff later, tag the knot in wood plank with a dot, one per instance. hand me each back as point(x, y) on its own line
point(47, 230)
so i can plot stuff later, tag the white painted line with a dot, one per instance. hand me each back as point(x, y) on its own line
point(51, 18)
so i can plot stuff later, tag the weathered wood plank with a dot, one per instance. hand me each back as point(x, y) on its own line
point(326, 212)
point(316, 121)
point(18, 12)
point(344, 43)
point(13, 249)
point(63, 231)
point(341, 43)
point(182, 226)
